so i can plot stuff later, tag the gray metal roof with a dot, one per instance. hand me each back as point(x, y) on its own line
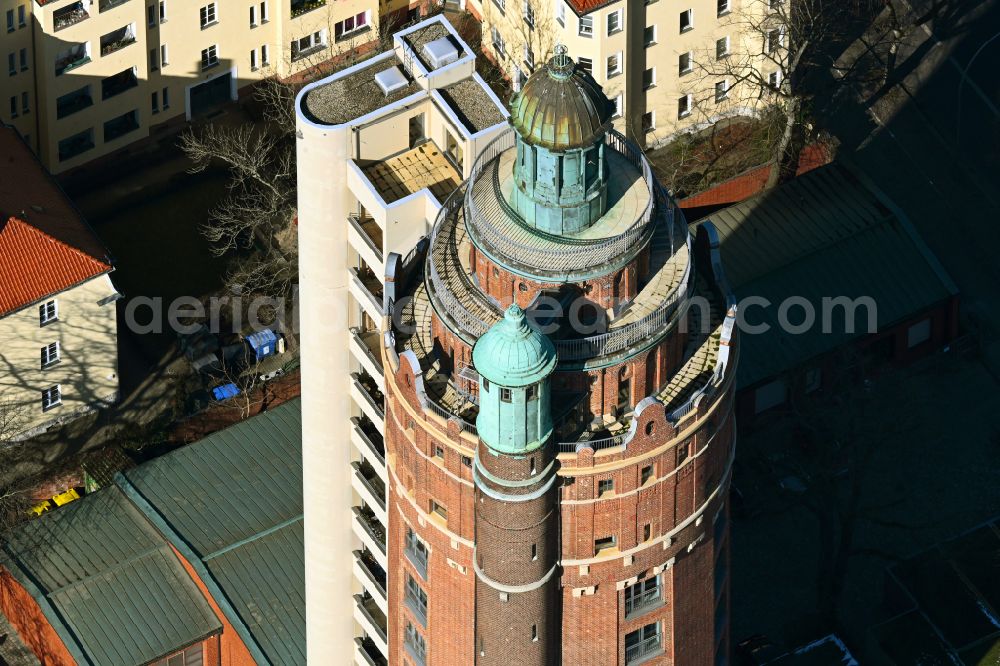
point(108, 583)
point(234, 502)
point(824, 234)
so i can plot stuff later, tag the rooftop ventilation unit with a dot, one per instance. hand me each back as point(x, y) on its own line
point(390, 80)
point(440, 52)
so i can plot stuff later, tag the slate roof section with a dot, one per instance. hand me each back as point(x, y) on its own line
point(45, 244)
point(233, 503)
point(824, 234)
point(108, 583)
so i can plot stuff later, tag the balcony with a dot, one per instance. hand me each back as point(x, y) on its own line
point(119, 83)
point(367, 289)
point(366, 347)
point(366, 237)
point(372, 619)
point(300, 7)
point(106, 5)
point(371, 532)
point(642, 650)
point(121, 125)
point(72, 58)
point(74, 145)
point(366, 653)
point(369, 398)
point(369, 442)
point(366, 483)
point(372, 577)
point(117, 40)
point(68, 15)
point(415, 169)
point(70, 103)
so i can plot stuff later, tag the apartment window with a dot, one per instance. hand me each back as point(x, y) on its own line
point(649, 78)
point(722, 48)
point(21, 21)
point(684, 64)
point(498, 44)
point(534, 632)
point(774, 39)
point(605, 487)
point(208, 16)
point(466, 461)
point(649, 35)
point(501, 5)
point(51, 397)
point(349, 25)
point(263, 12)
point(775, 4)
point(586, 64)
point(618, 105)
point(11, 64)
point(166, 98)
point(918, 334)
point(534, 552)
point(13, 106)
point(774, 80)
point(155, 102)
point(614, 64)
point(614, 21)
point(24, 59)
point(642, 643)
point(683, 451)
point(416, 551)
point(647, 532)
point(25, 106)
point(642, 596)
point(687, 20)
point(210, 57)
point(529, 57)
point(163, 11)
point(50, 354)
point(601, 545)
point(76, 144)
point(645, 475)
point(265, 58)
point(721, 90)
point(415, 644)
point(561, 13)
point(586, 26)
point(253, 16)
point(439, 510)
point(723, 7)
point(154, 61)
point(649, 121)
point(438, 452)
point(10, 20)
point(48, 312)
point(163, 56)
point(416, 599)
point(189, 657)
point(505, 395)
point(151, 16)
point(528, 13)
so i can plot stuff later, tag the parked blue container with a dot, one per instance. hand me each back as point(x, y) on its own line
point(263, 343)
point(225, 391)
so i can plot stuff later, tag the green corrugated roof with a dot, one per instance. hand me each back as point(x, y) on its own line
point(823, 234)
point(108, 582)
point(234, 499)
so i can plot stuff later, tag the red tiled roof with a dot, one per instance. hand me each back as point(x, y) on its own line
point(45, 245)
point(584, 7)
point(34, 265)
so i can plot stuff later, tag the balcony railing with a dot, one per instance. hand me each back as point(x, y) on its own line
point(374, 572)
point(69, 15)
point(637, 604)
point(105, 5)
point(69, 61)
point(370, 435)
point(72, 102)
point(369, 231)
point(300, 7)
point(119, 83)
point(369, 479)
point(644, 649)
point(369, 652)
point(366, 517)
point(117, 40)
point(368, 608)
point(368, 341)
point(370, 392)
point(123, 124)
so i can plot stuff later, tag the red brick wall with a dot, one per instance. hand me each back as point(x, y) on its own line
point(30, 623)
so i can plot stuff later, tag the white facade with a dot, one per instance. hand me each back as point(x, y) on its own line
point(347, 231)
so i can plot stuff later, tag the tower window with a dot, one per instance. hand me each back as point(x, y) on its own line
point(529, 393)
point(605, 486)
point(505, 395)
point(486, 385)
point(601, 545)
point(438, 452)
point(646, 475)
point(534, 632)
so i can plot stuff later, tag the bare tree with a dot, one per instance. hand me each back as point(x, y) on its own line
point(778, 53)
point(15, 498)
point(534, 29)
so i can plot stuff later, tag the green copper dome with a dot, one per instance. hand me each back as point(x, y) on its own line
point(560, 106)
point(513, 353)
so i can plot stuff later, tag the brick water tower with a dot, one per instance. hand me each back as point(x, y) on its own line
point(559, 407)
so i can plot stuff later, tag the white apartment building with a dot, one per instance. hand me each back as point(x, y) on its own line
point(650, 56)
point(380, 145)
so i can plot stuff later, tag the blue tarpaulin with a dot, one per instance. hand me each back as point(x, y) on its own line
point(225, 391)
